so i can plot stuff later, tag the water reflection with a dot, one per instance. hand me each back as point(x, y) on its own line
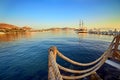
point(14, 36)
point(82, 35)
point(95, 37)
point(53, 34)
point(63, 33)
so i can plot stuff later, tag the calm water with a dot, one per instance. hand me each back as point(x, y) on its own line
point(24, 56)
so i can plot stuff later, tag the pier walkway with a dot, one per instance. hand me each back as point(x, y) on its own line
point(54, 69)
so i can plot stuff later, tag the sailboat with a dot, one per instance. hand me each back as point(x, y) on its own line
point(81, 29)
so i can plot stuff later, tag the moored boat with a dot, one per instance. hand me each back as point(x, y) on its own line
point(82, 29)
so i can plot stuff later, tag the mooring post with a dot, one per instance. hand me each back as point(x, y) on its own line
point(117, 42)
point(116, 53)
point(54, 51)
point(54, 73)
point(95, 76)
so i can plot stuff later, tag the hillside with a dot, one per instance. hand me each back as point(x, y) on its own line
point(7, 26)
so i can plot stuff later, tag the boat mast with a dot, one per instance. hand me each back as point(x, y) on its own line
point(82, 23)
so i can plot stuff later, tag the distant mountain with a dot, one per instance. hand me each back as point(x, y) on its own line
point(8, 26)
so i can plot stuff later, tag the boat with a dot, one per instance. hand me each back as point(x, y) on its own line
point(82, 29)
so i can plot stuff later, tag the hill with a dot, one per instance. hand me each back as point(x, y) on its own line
point(8, 26)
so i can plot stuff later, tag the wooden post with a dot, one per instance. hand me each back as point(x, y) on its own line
point(117, 42)
point(116, 54)
point(95, 76)
point(51, 75)
point(54, 50)
point(53, 70)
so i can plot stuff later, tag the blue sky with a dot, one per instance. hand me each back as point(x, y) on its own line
point(61, 13)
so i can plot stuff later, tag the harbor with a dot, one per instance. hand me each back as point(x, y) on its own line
point(59, 40)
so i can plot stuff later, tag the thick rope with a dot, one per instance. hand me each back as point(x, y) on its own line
point(84, 75)
point(80, 71)
point(51, 75)
point(89, 73)
point(54, 73)
point(80, 64)
point(84, 64)
point(55, 67)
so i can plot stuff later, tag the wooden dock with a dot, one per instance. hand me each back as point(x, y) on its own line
point(54, 68)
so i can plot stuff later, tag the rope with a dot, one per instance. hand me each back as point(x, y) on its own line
point(54, 73)
point(55, 67)
point(78, 71)
point(84, 64)
point(51, 75)
point(89, 73)
point(84, 75)
point(77, 63)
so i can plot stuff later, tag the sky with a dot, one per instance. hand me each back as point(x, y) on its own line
point(61, 13)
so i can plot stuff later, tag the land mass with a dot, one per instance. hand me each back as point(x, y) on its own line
point(5, 28)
